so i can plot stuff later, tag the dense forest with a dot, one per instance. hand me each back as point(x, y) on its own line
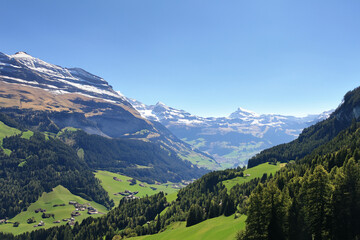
point(37, 165)
point(317, 197)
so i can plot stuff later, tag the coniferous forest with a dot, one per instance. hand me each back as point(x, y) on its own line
point(37, 165)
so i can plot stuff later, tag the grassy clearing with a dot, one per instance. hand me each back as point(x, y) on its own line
point(80, 153)
point(27, 135)
point(6, 131)
point(255, 172)
point(59, 195)
point(112, 186)
point(197, 143)
point(201, 161)
point(224, 228)
point(142, 167)
point(171, 197)
point(66, 129)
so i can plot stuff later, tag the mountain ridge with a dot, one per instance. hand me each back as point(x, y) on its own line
point(233, 139)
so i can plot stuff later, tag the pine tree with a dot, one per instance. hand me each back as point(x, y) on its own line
point(345, 201)
point(158, 223)
point(195, 215)
point(317, 190)
point(214, 209)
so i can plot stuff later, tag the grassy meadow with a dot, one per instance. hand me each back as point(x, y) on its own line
point(112, 186)
point(6, 131)
point(224, 228)
point(255, 172)
point(59, 195)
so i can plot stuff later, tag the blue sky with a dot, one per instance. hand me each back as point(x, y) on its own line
point(206, 57)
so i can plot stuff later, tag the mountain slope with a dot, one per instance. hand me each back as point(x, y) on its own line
point(231, 140)
point(316, 135)
point(141, 160)
point(48, 97)
point(317, 196)
point(37, 165)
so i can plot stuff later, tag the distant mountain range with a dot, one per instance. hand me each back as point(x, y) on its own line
point(231, 140)
point(50, 97)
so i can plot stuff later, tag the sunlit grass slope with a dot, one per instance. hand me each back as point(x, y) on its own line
point(6, 131)
point(112, 186)
point(224, 228)
point(255, 172)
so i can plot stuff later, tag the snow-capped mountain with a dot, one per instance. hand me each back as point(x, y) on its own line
point(233, 139)
point(22, 68)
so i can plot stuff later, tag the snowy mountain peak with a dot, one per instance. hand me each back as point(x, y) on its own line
point(22, 54)
point(241, 112)
point(161, 104)
point(160, 107)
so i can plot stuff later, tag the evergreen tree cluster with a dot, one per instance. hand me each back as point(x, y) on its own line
point(318, 197)
point(205, 198)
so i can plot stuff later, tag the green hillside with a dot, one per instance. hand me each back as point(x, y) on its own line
point(112, 186)
point(224, 228)
point(37, 165)
point(6, 131)
point(255, 172)
point(201, 161)
point(145, 161)
point(59, 195)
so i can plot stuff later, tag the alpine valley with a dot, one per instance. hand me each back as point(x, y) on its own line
point(230, 140)
point(80, 161)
